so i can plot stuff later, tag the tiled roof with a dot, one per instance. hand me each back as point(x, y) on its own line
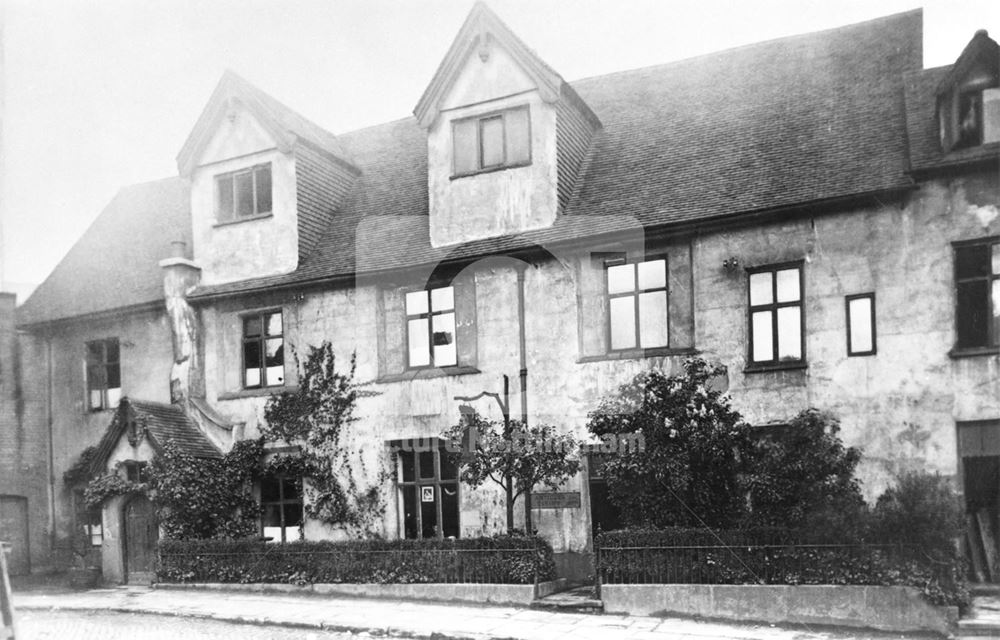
point(801, 119)
point(115, 263)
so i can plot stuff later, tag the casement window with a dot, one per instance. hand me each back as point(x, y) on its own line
point(428, 487)
point(281, 504)
point(493, 141)
point(263, 350)
point(977, 282)
point(637, 304)
point(244, 193)
point(88, 520)
point(430, 328)
point(104, 379)
point(136, 471)
point(860, 324)
point(775, 297)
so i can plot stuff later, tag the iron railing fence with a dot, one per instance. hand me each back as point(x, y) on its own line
point(280, 563)
point(750, 562)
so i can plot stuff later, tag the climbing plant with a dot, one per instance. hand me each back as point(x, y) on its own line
point(107, 486)
point(315, 418)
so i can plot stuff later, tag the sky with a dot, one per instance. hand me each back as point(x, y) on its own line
point(99, 94)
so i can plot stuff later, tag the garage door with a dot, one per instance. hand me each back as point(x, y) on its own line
point(14, 531)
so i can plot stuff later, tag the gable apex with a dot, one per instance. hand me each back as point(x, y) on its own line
point(981, 50)
point(481, 31)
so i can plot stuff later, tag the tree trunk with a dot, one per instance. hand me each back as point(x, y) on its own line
point(528, 527)
point(510, 505)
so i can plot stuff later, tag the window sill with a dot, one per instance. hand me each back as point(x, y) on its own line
point(255, 393)
point(259, 216)
point(423, 374)
point(973, 352)
point(780, 366)
point(635, 354)
point(468, 174)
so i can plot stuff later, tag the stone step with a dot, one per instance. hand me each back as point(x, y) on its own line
point(577, 600)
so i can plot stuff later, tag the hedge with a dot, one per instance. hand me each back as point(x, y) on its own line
point(774, 556)
point(498, 559)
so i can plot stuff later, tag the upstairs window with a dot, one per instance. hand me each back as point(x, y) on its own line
point(263, 350)
point(430, 328)
point(490, 142)
point(637, 304)
point(861, 324)
point(104, 378)
point(244, 193)
point(775, 295)
point(281, 503)
point(977, 282)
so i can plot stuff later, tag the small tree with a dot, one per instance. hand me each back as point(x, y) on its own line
point(529, 456)
point(688, 473)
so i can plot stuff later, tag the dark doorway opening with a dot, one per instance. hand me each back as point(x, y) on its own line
point(979, 450)
point(604, 515)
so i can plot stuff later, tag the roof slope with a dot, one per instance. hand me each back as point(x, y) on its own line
point(115, 263)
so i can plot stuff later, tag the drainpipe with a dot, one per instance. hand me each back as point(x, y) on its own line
point(52, 464)
point(523, 375)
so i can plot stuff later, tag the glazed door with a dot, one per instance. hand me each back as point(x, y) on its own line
point(14, 531)
point(141, 534)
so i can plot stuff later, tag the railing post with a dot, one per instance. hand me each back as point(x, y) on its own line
point(597, 571)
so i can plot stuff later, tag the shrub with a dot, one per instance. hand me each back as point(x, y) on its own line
point(499, 559)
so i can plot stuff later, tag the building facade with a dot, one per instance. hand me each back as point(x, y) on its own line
point(819, 214)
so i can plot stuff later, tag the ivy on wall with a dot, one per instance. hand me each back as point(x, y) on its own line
point(315, 418)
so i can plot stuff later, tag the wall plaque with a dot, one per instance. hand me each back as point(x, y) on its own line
point(556, 500)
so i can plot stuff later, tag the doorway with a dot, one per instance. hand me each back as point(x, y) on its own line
point(14, 531)
point(141, 532)
point(979, 451)
point(604, 514)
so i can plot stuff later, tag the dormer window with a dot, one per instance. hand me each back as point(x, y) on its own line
point(243, 194)
point(968, 97)
point(490, 142)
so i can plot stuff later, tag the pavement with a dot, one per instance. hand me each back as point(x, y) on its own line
point(398, 618)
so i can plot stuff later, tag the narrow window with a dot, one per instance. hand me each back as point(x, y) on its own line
point(428, 489)
point(263, 350)
point(104, 384)
point(775, 295)
point(861, 324)
point(135, 471)
point(637, 305)
point(977, 282)
point(88, 520)
point(244, 193)
point(281, 502)
point(493, 141)
point(430, 328)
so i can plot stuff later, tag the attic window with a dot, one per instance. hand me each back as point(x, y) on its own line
point(244, 194)
point(490, 142)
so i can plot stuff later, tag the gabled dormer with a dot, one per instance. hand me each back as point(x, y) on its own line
point(505, 136)
point(968, 98)
point(264, 182)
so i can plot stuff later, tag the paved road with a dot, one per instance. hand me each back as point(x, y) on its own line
point(82, 625)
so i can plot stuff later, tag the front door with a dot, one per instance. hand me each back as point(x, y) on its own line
point(141, 534)
point(14, 531)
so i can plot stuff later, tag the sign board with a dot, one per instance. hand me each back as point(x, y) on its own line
point(427, 494)
point(556, 500)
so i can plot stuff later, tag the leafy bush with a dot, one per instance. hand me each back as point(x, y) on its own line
point(499, 559)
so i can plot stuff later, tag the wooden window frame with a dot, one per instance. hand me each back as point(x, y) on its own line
point(480, 119)
point(429, 315)
point(280, 479)
point(847, 310)
point(775, 362)
point(261, 341)
point(83, 516)
point(437, 482)
point(635, 293)
point(992, 337)
point(101, 371)
point(231, 216)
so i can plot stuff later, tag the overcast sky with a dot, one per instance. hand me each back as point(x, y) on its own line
point(102, 93)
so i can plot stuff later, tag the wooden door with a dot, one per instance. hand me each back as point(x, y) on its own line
point(14, 531)
point(141, 534)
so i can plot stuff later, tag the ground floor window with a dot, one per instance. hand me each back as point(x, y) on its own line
point(88, 520)
point(428, 487)
point(281, 501)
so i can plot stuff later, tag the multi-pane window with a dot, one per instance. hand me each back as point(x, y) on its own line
point(977, 280)
point(244, 193)
point(637, 305)
point(136, 471)
point(861, 324)
point(104, 379)
point(281, 502)
point(263, 350)
point(428, 484)
point(493, 141)
point(88, 520)
point(776, 315)
point(430, 328)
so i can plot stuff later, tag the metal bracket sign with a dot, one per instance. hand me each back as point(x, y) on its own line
point(556, 500)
